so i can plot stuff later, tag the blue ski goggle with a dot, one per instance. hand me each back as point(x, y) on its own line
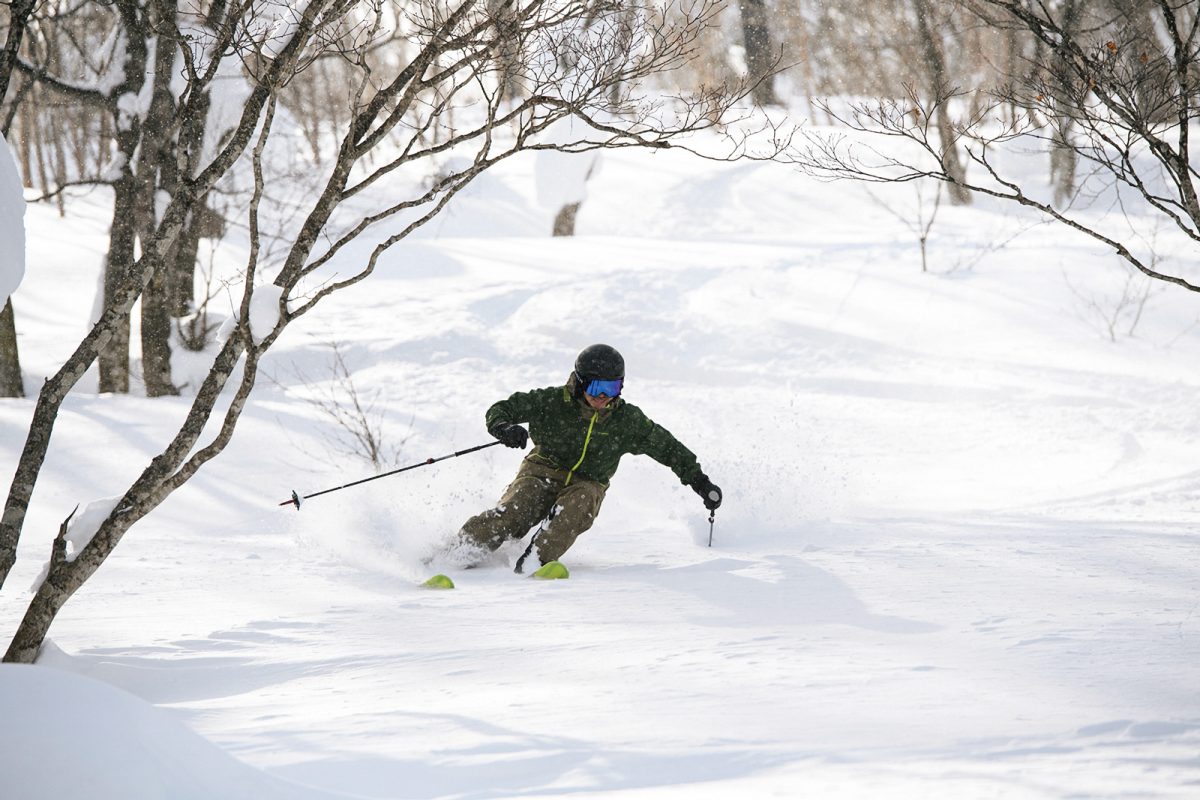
point(607, 388)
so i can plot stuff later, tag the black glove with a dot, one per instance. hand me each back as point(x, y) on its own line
point(511, 434)
point(709, 492)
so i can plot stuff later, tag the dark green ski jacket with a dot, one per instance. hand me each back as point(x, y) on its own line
point(567, 434)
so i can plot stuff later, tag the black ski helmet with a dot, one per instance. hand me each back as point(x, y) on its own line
point(599, 362)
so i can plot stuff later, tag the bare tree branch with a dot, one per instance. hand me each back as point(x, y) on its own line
point(1113, 102)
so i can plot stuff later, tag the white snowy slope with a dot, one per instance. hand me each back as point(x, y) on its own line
point(957, 557)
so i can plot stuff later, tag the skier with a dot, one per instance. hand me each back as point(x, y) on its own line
point(579, 431)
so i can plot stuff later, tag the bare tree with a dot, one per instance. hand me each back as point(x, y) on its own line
point(1116, 314)
point(357, 420)
point(451, 67)
point(110, 69)
point(1129, 111)
point(99, 61)
point(918, 217)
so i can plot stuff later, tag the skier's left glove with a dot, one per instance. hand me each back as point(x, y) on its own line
point(510, 434)
point(709, 492)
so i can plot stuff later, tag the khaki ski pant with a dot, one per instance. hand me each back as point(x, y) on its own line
point(528, 500)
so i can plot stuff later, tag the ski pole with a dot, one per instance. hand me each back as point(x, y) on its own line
point(295, 499)
point(712, 518)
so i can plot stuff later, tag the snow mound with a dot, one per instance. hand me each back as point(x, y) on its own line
point(66, 736)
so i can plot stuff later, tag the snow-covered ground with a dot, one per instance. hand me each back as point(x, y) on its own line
point(957, 557)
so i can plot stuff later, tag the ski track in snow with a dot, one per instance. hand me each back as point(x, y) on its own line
point(957, 556)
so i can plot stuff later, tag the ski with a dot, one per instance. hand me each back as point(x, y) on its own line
point(439, 582)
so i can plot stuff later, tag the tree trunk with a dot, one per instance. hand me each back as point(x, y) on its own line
point(1064, 162)
point(760, 51)
point(48, 600)
point(11, 384)
point(156, 336)
point(113, 353)
point(935, 63)
point(1063, 158)
point(156, 170)
point(564, 222)
point(37, 128)
point(508, 56)
point(181, 279)
point(181, 275)
point(25, 144)
point(114, 356)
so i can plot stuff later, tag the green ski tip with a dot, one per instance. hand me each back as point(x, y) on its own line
point(552, 571)
point(439, 582)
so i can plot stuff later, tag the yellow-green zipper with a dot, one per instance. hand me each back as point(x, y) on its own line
point(583, 455)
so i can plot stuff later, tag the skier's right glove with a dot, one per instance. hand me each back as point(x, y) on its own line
point(511, 435)
point(709, 492)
